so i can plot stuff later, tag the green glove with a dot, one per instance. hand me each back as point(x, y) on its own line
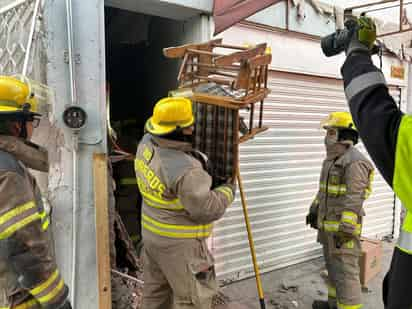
point(363, 35)
point(367, 31)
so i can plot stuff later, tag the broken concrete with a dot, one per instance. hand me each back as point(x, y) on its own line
point(298, 286)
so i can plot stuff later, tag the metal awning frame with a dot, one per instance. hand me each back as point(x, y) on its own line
point(369, 7)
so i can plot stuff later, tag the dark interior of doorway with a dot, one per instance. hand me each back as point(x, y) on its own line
point(137, 76)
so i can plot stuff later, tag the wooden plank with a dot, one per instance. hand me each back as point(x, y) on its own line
point(260, 60)
point(235, 68)
point(243, 80)
point(230, 102)
point(252, 134)
point(228, 46)
point(179, 51)
point(101, 198)
point(205, 59)
point(203, 52)
point(183, 68)
point(217, 80)
point(216, 100)
point(241, 55)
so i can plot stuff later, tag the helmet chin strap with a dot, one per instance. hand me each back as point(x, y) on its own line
point(23, 129)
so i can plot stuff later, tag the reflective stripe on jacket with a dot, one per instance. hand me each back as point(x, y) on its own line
point(178, 201)
point(26, 248)
point(385, 131)
point(345, 183)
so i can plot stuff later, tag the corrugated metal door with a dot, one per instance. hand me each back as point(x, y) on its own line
point(280, 171)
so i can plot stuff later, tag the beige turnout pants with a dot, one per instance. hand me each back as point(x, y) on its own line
point(342, 262)
point(178, 274)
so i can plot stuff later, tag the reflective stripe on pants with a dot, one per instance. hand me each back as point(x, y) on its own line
point(342, 306)
point(333, 226)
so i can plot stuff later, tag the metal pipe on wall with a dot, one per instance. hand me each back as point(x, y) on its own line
point(75, 141)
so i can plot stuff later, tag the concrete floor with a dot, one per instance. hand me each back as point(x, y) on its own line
point(306, 284)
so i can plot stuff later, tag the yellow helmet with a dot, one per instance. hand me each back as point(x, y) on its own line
point(340, 120)
point(170, 114)
point(16, 97)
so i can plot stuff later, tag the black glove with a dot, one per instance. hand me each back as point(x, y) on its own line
point(312, 220)
point(66, 305)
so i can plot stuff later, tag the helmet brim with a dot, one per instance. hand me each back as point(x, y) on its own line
point(159, 130)
point(17, 115)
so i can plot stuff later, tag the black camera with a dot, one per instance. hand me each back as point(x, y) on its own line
point(337, 42)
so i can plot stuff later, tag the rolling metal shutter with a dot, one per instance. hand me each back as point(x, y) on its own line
point(280, 170)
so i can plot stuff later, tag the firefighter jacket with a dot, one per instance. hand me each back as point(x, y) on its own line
point(28, 272)
point(345, 183)
point(178, 201)
point(386, 133)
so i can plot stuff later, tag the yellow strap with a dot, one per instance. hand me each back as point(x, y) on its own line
point(333, 226)
point(158, 200)
point(342, 306)
point(19, 225)
point(135, 237)
point(128, 181)
point(368, 190)
point(331, 291)
point(333, 189)
point(16, 211)
point(53, 293)
point(40, 288)
point(45, 224)
point(154, 205)
point(176, 227)
point(226, 191)
point(27, 305)
point(349, 244)
point(349, 217)
point(175, 234)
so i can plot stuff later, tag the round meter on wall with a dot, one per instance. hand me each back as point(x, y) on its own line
point(75, 117)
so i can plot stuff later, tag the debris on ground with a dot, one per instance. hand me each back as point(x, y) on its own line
point(324, 274)
point(278, 305)
point(127, 279)
point(126, 293)
point(287, 286)
point(220, 299)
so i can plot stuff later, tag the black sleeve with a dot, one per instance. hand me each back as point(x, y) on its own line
point(373, 110)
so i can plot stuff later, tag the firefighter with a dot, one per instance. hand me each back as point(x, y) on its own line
point(178, 209)
point(386, 133)
point(29, 277)
point(337, 211)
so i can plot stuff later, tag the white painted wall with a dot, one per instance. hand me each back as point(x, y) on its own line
point(173, 9)
point(293, 53)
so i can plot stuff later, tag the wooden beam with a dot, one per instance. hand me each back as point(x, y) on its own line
point(101, 199)
point(361, 6)
point(393, 33)
point(252, 134)
point(179, 51)
point(228, 46)
point(241, 55)
point(203, 52)
point(260, 61)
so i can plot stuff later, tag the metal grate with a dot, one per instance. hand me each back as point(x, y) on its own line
point(17, 28)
